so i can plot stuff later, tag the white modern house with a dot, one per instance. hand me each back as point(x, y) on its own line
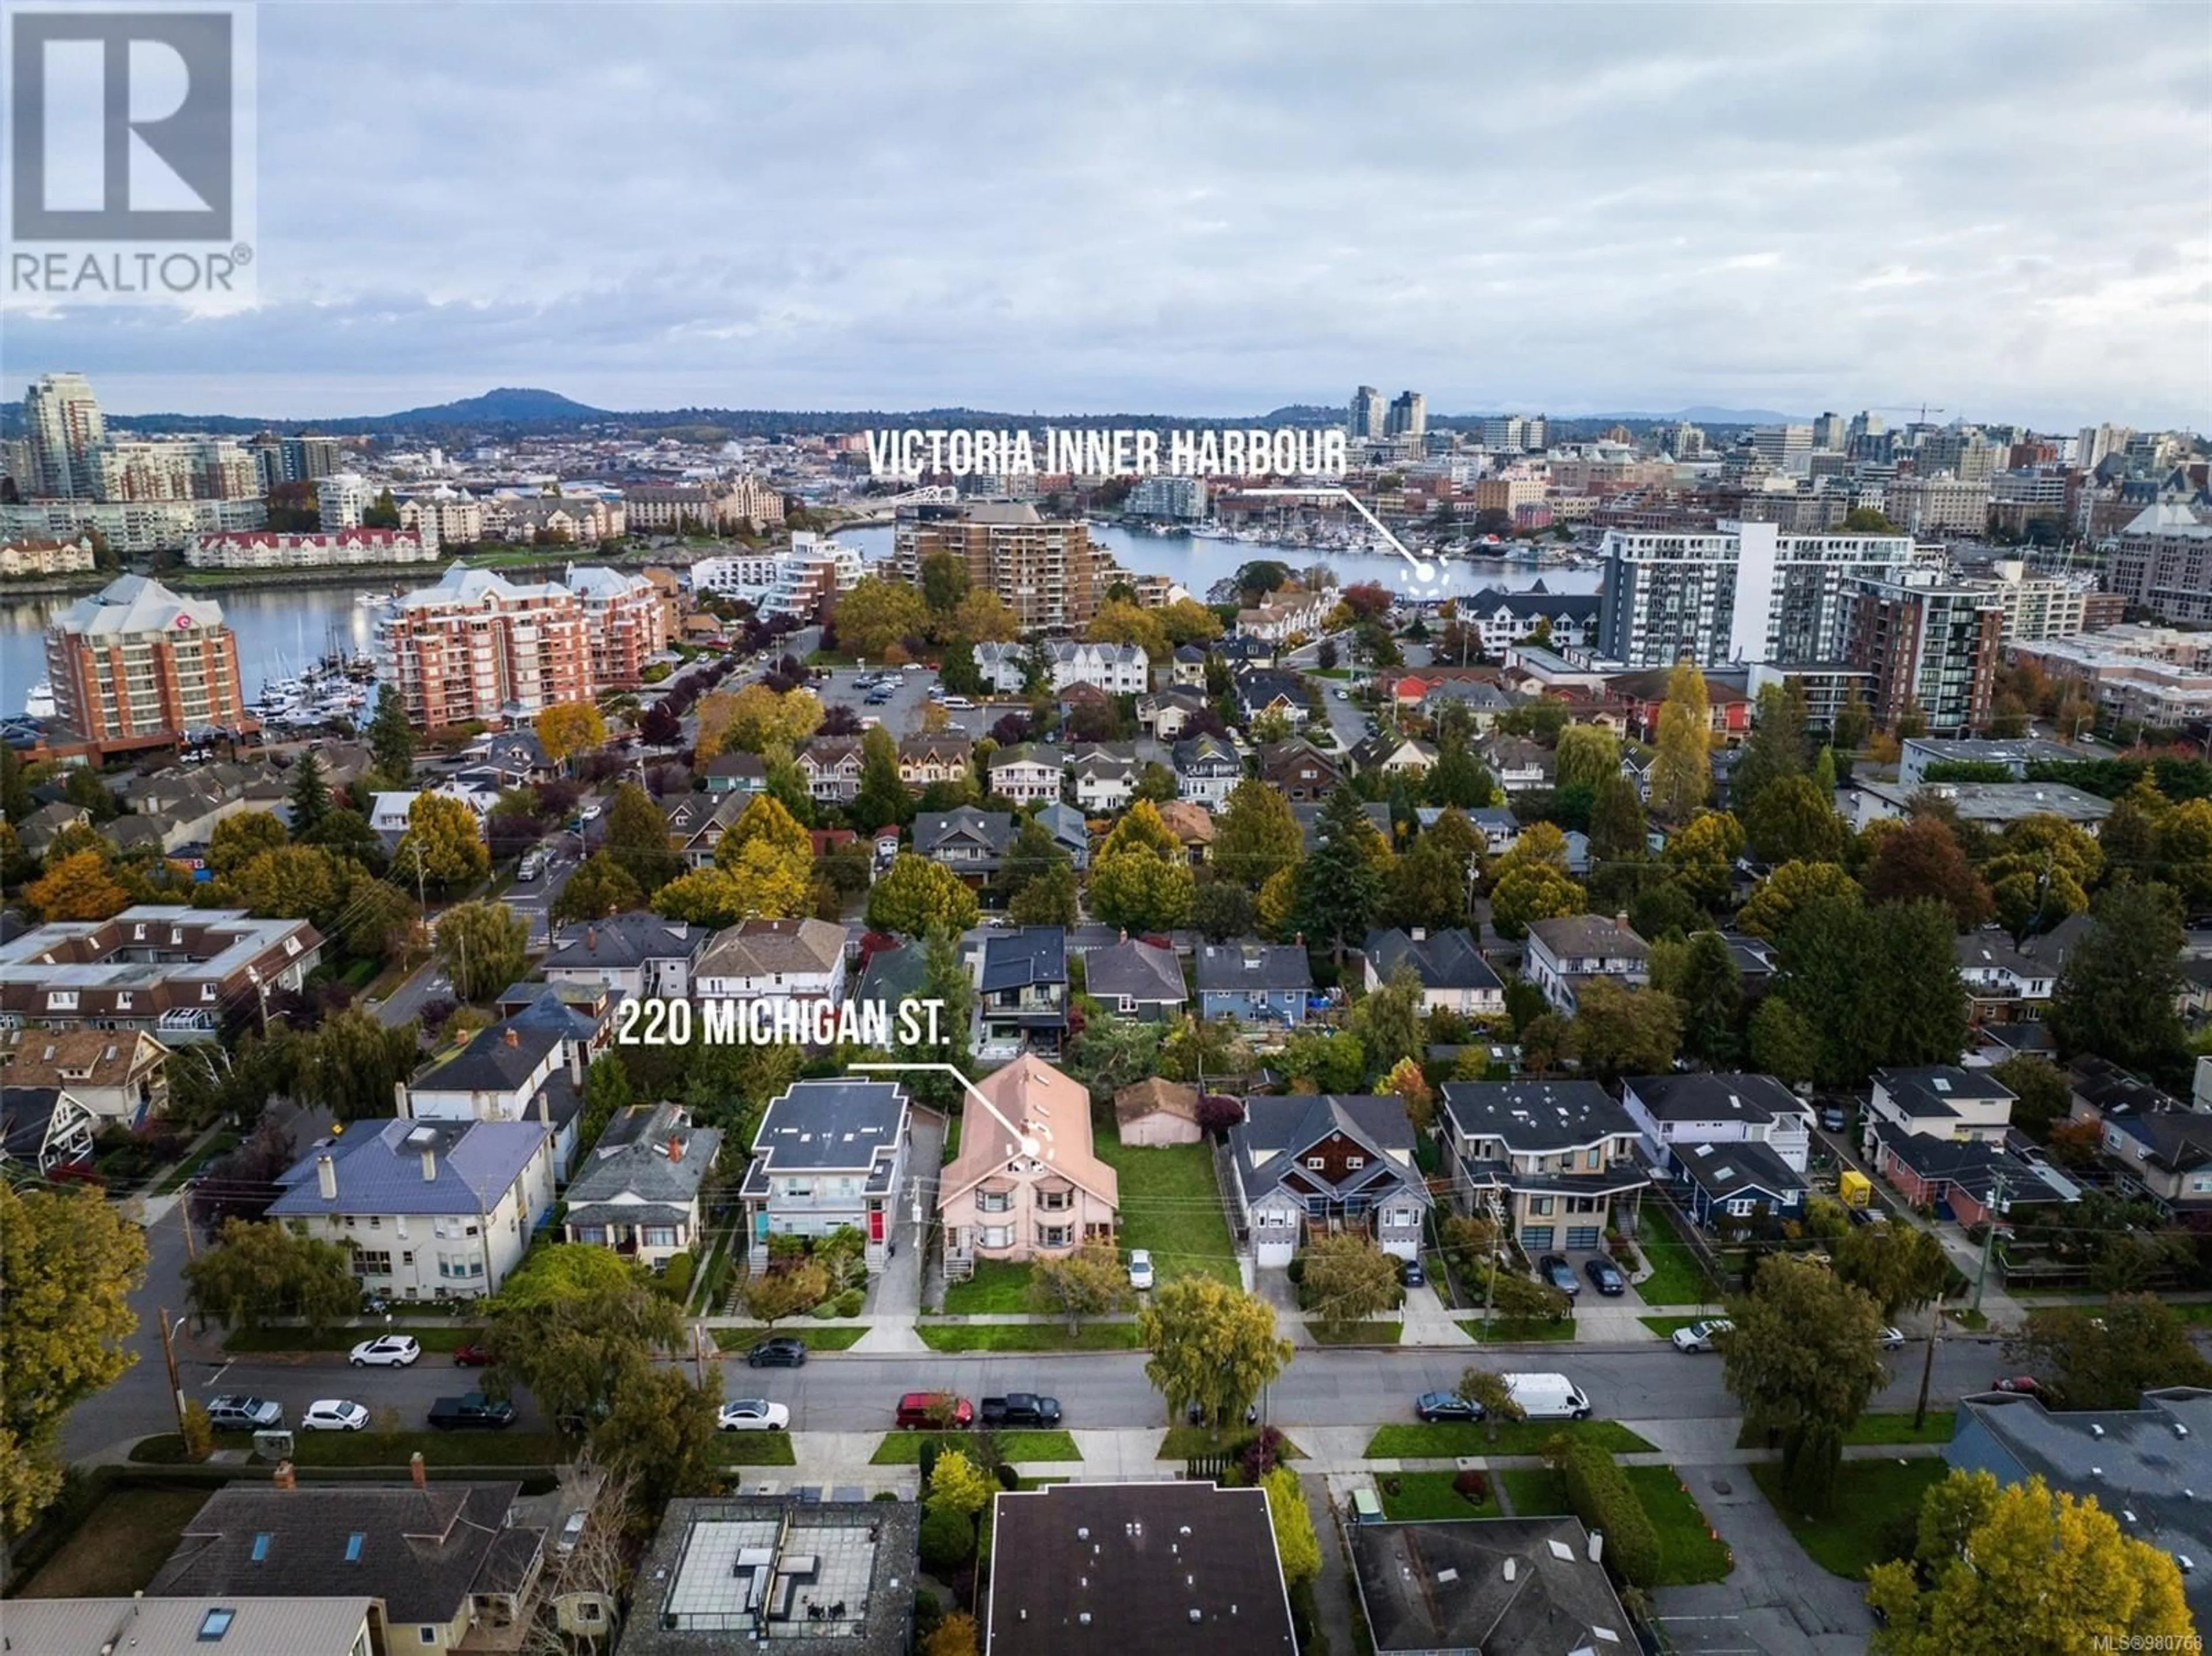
point(1718, 1109)
point(793, 960)
point(1564, 953)
point(829, 1155)
point(1117, 669)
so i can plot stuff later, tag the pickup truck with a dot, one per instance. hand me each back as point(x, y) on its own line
point(471, 1412)
point(1021, 1409)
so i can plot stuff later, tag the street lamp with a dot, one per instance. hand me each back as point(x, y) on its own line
point(2086, 719)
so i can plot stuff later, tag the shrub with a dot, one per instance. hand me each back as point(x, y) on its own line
point(948, 1540)
point(1260, 1456)
point(1472, 1485)
point(1296, 1270)
point(1008, 1477)
point(199, 1431)
point(850, 1301)
point(1604, 1500)
point(676, 1280)
point(828, 1308)
point(928, 1611)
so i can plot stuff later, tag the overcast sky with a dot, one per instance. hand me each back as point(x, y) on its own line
point(1211, 210)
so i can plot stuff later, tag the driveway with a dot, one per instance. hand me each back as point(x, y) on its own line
point(895, 1297)
point(1777, 1601)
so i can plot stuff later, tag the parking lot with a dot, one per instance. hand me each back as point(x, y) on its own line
point(901, 714)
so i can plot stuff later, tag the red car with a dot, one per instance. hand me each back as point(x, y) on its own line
point(2024, 1384)
point(934, 1408)
point(475, 1355)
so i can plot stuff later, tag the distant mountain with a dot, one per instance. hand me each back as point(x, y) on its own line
point(508, 405)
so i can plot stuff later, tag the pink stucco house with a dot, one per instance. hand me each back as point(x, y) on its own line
point(999, 1204)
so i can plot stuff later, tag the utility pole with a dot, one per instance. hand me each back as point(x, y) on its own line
point(1928, 1365)
point(1988, 1240)
point(169, 1356)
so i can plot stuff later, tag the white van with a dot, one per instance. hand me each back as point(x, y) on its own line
point(1547, 1397)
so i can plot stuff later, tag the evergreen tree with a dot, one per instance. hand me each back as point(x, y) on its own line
point(1340, 884)
point(311, 795)
point(391, 737)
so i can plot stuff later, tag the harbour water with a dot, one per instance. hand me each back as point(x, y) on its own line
point(282, 629)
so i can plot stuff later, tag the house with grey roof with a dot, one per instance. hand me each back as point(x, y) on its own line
point(972, 843)
point(1262, 690)
point(1727, 1108)
point(434, 1210)
point(42, 1128)
point(1970, 1180)
point(637, 1191)
point(1453, 976)
point(1137, 980)
point(1069, 829)
point(1563, 954)
point(1028, 772)
point(1254, 982)
point(735, 773)
point(1314, 1165)
point(236, 1626)
point(1532, 1584)
point(1737, 1182)
point(1546, 1160)
point(521, 1069)
point(829, 1155)
point(1207, 769)
point(2003, 984)
point(1105, 774)
point(784, 962)
point(697, 821)
point(2164, 1145)
point(1941, 1099)
point(1022, 988)
point(445, 1563)
point(639, 954)
point(889, 976)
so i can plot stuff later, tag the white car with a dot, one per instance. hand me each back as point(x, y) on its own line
point(386, 1352)
point(1698, 1337)
point(589, 814)
point(754, 1415)
point(1892, 1339)
point(959, 704)
point(334, 1415)
point(1140, 1268)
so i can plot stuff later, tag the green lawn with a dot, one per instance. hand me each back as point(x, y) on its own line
point(818, 1336)
point(2194, 1312)
point(1511, 1330)
point(1185, 1442)
point(1664, 1327)
point(1898, 1428)
point(1868, 1494)
point(440, 1339)
point(1171, 1204)
point(1676, 1278)
point(755, 1449)
point(122, 1543)
point(1439, 1440)
point(1028, 1337)
point(998, 1286)
point(1687, 1552)
point(904, 1448)
point(1422, 1496)
point(951, 1136)
point(1535, 1491)
point(221, 1144)
point(1376, 1333)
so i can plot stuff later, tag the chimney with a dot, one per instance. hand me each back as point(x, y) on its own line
point(544, 1108)
point(514, 1036)
point(1621, 920)
point(285, 1478)
point(590, 940)
point(675, 1148)
point(1597, 1546)
point(415, 1471)
point(399, 1098)
point(327, 1177)
point(429, 1164)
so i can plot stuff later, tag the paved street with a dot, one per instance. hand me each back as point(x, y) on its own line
point(533, 898)
point(427, 983)
point(1773, 1601)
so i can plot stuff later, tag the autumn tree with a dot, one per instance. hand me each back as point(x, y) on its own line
point(1255, 836)
point(78, 886)
point(443, 845)
point(1921, 859)
point(1899, 1267)
point(1122, 622)
point(878, 615)
point(1702, 854)
point(579, 1326)
point(353, 1060)
point(1092, 1282)
point(568, 729)
point(1622, 1031)
point(1213, 1347)
point(70, 1259)
point(259, 1270)
point(637, 839)
point(2106, 1356)
point(237, 841)
point(2042, 871)
point(1139, 890)
point(783, 1290)
point(2002, 1570)
point(915, 894)
point(1586, 755)
point(661, 1431)
point(1682, 774)
point(1804, 1360)
point(1412, 1088)
point(1776, 899)
point(1348, 1279)
point(483, 947)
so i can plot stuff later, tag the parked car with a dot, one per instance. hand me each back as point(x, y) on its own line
point(1554, 1269)
point(1547, 1397)
point(530, 867)
point(1021, 1409)
point(475, 1355)
point(1446, 1406)
point(935, 1408)
point(1832, 1117)
point(572, 1531)
point(1892, 1339)
point(1699, 1337)
point(243, 1414)
point(784, 1351)
point(334, 1415)
point(589, 814)
point(1411, 1275)
point(1605, 1276)
point(471, 1412)
point(386, 1352)
point(2027, 1385)
point(1140, 1268)
point(754, 1415)
point(959, 704)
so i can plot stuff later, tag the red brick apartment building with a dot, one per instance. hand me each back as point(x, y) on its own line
point(137, 666)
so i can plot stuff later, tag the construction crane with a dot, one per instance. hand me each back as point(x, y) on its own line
point(1926, 408)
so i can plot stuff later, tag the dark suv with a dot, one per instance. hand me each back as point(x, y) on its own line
point(784, 1351)
point(1605, 1276)
point(1554, 1269)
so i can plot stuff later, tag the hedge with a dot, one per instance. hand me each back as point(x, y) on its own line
point(1604, 1501)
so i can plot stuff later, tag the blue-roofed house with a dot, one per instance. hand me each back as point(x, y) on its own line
point(1254, 982)
point(1069, 831)
point(829, 1155)
point(434, 1210)
point(1023, 987)
point(1737, 1179)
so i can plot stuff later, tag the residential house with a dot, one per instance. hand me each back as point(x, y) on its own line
point(443, 1565)
point(1311, 1164)
point(240, 1626)
point(1069, 831)
point(178, 972)
point(1189, 667)
point(1737, 1182)
point(1022, 990)
point(1533, 1584)
point(2004, 984)
point(1026, 773)
point(1959, 1179)
point(1153, 1112)
point(1078, 699)
point(1499, 827)
point(1263, 690)
point(637, 1191)
point(390, 814)
point(1207, 769)
point(1079, 1567)
point(735, 773)
point(1642, 694)
point(1300, 772)
point(1117, 669)
point(926, 761)
point(122, 1077)
point(1992, 805)
point(1940, 1100)
point(1193, 827)
point(1482, 702)
point(1164, 715)
point(42, 1128)
point(1137, 980)
point(1027, 1184)
point(831, 766)
point(1286, 615)
point(1563, 954)
point(2147, 1465)
point(1519, 764)
point(787, 963)
point(1453, 976)
point(2163, 1147)
point(434, 1210)
point(639, 954)
point(829, 1155)
point(972, 843)
point(37, 832)
point(697, 821)
point(889, 976)
point(1503, 619)
point(1727, 1108)
point(1254, 982)
point(1004, 667)
point(521, 1069)
point(1394, 755)
point(1106, 775)
point(1546, 1160)
point(518, 758)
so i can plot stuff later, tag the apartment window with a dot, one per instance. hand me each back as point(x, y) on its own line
point(1355, 1162)
point(1541, 1206)
point(1055, 1201)
point(992, 1202)
point(660, 1236)
point(372, 1264)
point(1317, 1163)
